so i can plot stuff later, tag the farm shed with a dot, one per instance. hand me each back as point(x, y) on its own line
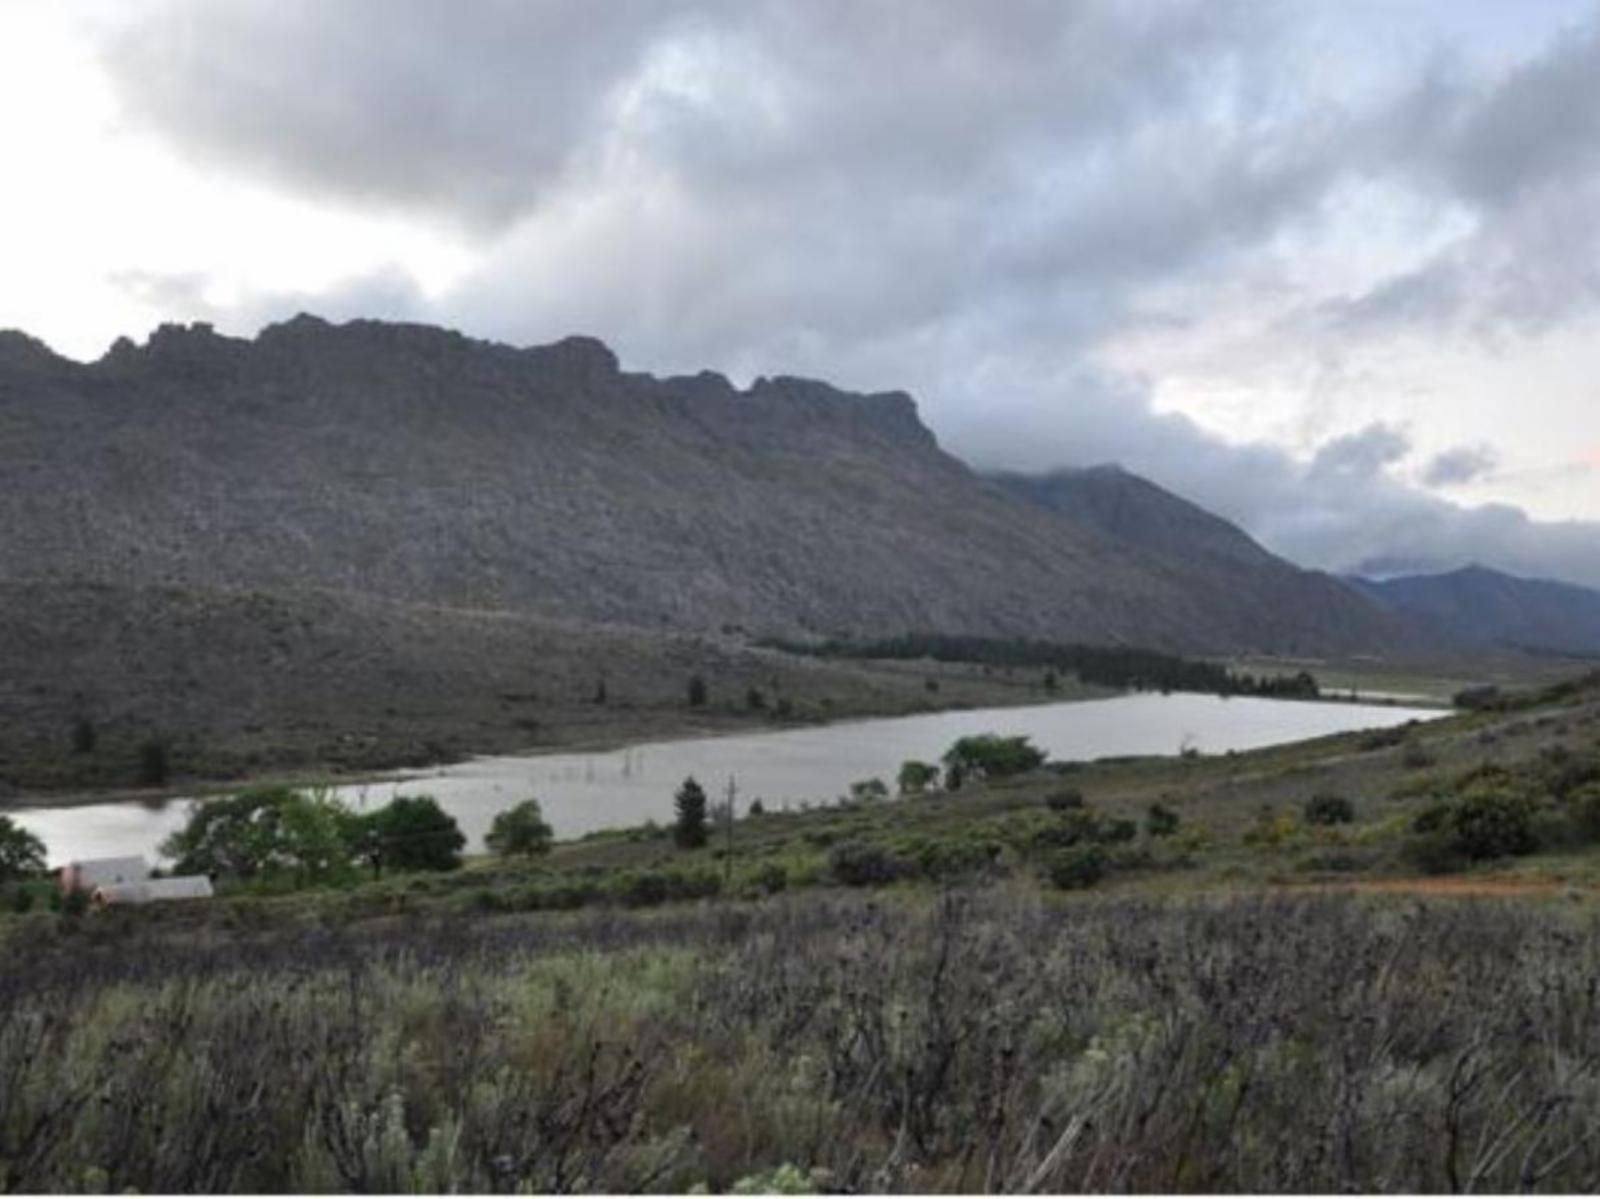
point(153, 890)
point(102, 872)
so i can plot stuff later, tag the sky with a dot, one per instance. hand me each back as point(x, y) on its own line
point(1330, 268)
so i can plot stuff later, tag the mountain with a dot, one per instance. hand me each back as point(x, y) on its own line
point(421, 466)
point(1219, 564)
point(1487, 606)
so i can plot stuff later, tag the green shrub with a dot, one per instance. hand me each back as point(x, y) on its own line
point(1493, 824)
point(520, 831)
point(1415, 756)
point(1078, 868)
point(1328, 810)
point(155, 766)
point(1584, 804)
point(1161, 821)
point(22, 854)
point(772, 878)
point(1435, 853)
point(1119, 830)
point(1066, 799)
point(862, 864)
point(1485, 822)
point(916, 777)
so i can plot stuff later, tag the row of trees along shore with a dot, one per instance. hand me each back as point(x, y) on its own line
point(1123, 667)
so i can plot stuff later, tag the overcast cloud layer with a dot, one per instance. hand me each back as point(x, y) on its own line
point(1332, 270)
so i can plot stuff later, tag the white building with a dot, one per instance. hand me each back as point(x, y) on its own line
point(102, 872)
point(153, 890)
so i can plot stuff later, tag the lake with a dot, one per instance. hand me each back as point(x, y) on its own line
point(582, 792)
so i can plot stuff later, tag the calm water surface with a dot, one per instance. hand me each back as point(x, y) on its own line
point(581, 792)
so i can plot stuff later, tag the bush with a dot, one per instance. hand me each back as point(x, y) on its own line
point(1415, 756)
point(520, 830)
point(1329, 809)
point(945, 859)
point(1119, 830)
point(1584, 805)
point(417, 834)
point(21, 853)
point(1067, 799)
point(860, 864)
point(1493, 824)
point(1435, 853)
point(1078, 868)
point(1161, 821)
point(155, 767)
point(1486, 822)
point(916, 777)
point(772, 878)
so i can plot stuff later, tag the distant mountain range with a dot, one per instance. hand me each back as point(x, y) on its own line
point(1483, 606)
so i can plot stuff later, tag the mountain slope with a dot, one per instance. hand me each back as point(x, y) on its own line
point(1220, 565)
point(421, 466)
point(1488, 606)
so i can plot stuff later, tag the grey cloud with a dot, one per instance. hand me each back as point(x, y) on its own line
point(1463, 464)
point(1363, 454)
point(472, 110)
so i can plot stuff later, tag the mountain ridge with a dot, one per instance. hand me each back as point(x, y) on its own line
point(1480, 604)
point(421, 465)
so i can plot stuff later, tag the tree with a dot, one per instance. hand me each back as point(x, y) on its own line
point(415, 833)
point(916, 777)
point(867, 790)
point(987, 755)
point(520, 830)
point(239, 835)
point(265, 831)
point(689, 830)
point(362, 833)
point(154, 765)
point(21, 853)
point(697, 691)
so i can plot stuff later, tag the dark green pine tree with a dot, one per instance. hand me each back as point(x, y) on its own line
point(690, 831)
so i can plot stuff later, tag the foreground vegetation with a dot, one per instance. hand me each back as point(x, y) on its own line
point(984, 1039)
point(999, 974)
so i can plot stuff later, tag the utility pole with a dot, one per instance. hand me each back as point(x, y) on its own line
point(727, 845)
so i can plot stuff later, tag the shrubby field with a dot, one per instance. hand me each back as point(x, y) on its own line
point(1002, 974)
point(984, 1039)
